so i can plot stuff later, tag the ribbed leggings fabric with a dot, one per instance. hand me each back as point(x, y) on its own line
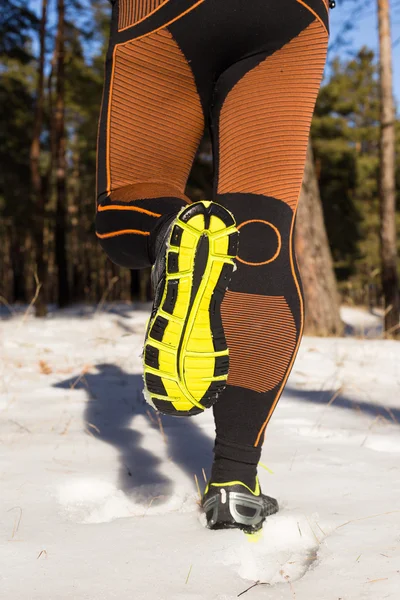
point(250, 72)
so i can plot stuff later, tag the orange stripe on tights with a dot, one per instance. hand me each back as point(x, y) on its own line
point(133, 208)
point(121, 232)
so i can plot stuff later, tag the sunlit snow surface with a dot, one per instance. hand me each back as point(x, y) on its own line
point(98, 498)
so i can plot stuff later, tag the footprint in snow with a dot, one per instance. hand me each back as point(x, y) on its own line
point(89, 500)
point(286, 549)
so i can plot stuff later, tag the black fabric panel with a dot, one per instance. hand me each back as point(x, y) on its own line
point(227, 37)
point(235, 462)
point(135, 251)
point(116, 220)
point(239, 412)
point(129, 250)
point(252, 207)
point(166, 13)
point(318, 6)
point(239, 415)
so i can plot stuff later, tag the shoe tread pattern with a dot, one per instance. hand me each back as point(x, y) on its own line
point(186, 358)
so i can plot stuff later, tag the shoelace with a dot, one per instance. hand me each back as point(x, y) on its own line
point(265, 467)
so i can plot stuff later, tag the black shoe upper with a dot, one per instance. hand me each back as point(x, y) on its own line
point(159, 251)
point(233, 505)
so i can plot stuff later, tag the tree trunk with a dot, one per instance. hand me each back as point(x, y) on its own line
point(134, 285)
point(315, 260)
point(144, 285)
point(18, 267)
point(38, 192)
point(60, 164)
point(387, 192)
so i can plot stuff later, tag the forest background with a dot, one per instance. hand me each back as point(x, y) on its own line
point(52, 57)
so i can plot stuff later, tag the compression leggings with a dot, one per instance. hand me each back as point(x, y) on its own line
point(250, 71)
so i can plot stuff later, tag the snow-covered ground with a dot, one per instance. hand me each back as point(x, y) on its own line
point(98, 498)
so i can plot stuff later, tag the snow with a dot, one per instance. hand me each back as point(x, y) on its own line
point(98, 498)
point(362, 323)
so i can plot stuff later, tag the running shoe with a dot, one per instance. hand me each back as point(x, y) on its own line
point(233, 505)
point(186, 357)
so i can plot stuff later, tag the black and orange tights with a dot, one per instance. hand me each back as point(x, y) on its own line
point(250, 71)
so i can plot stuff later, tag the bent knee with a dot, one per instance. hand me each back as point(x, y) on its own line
point(123, 235)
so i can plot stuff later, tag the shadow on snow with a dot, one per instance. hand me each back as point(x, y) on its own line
point(342, 401)
point(114, 399)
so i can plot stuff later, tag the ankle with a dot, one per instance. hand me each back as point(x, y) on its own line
point(235, 462)
point(225, 471)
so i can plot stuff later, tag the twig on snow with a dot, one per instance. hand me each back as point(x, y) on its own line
point(150, 416)
point(204, 475)
point(331, 401)
point(253, 586)
point(320, 528)
point(390, 412)
point(20, 426)
point(66, 428)
point(17, 521)
point(377, 418)
point(392, 512)
point(197, 485)
point(81, 377)
point(97, 430)
point(160, 425)
point(291, 587)
point(188, 575)
point(10, 308)
point(150, 504)
point(105, 294)
point(293, 459)
point(312, 530)
point(32, 302)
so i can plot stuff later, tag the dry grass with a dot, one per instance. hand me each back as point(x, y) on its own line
point(153, 499)
point(204, 475)
point(10, 308)
point(197, 486)
point(81, 377)
point(188, 575)
point(97, 430)
point(331, 401)
point(392, 512)
point(17, 521)
point(161, 428)
point(32, 302)
point(67, 426)
point(105, 294)
point(377, 419)
point(257, 583)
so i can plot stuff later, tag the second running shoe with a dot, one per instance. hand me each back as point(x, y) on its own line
point(186, 358)
point(233, 505)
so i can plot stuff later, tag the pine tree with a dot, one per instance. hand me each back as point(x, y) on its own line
point(17, 22)
point(345, 135)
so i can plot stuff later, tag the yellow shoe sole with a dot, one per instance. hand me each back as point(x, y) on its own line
point(186, 358)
